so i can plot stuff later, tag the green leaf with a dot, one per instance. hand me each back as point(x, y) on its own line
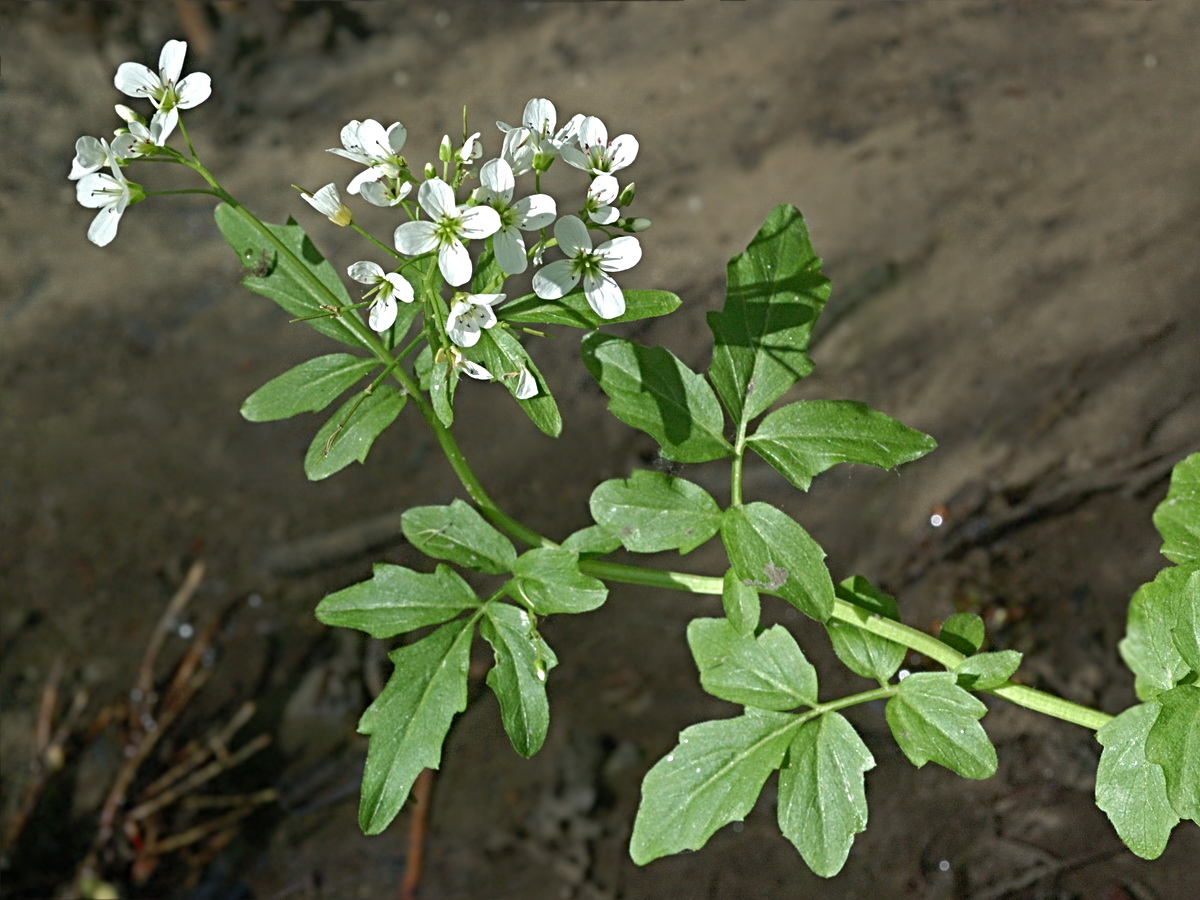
point(654, 392)
point(864, 653)
point(775, 293)
point(409, 719)
point(395, 600)
point(964, 632)
point(348, 435)
point(443, 382)
point(772, 554)
point(285, 280)
point(740, 602)
point(985, 671)
point(501, 354)
point(1130, 789)
point(548, 580)
point(459, 534)
point(767, 671)
point(1186, 631)
point(654, 511)
point(822, 798)
point(711, 778)
point(593, 539)
point(932, 718)
point(1149, 644)
point(803, 439)
point(573, 309)
point(309, 387)
point(1174, 743)
point(1178, 516)
point(518, 679)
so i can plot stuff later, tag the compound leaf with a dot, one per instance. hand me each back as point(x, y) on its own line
point(348, 435)
point(309, 387)
point(395, 600)
point(518, 679)
point(459, 534)
point(654, 511)
point(766, 671)
point(1130, 788)
point(548, 580)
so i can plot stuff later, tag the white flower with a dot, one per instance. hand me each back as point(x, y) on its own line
point(163, 88)
point(471, 150)
point(140, 140)
point(595, 153)
point(385, 191)
point(529, 214)
point(559, 277)
point(110, 194)
point(445, 230)
point(602, 192)
point(91, 155)
point(526, 385)
point(328, 202)
point(470, 315)
point(367, 142)
point(459, 363)
point(388, 287)
point(535, 143)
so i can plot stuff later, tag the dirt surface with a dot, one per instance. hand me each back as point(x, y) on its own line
point(1005, 195)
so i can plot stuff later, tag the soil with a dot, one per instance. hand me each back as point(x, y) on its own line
point(1004, 195)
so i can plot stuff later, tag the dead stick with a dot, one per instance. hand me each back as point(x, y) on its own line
point(205, 774)
point(416, 835)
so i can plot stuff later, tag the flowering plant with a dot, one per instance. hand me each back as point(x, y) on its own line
point(441, 306)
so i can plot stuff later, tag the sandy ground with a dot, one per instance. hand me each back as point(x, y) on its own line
point(1005, 195)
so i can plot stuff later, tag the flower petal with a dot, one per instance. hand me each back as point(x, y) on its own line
point(437, 199)
point(527, 385)
point(497, 176)
point(478, 222)
point(89, 156)
point(475, 370)
point(170, 60)
point(104, 227)
point(622, 151)
point(382, 314)
point(592, 132)
point(194, 90)
point(365, 272)
point(509, 247)
point(620, 253)
point(401, 289)
point(572, 235)
point(415, 238)
point(604, 189)
point(535, 211)
point(454, 262)
point(540, 116)
point(397, 134)
point(136, 80)
point(555, 279)
point(604, 296)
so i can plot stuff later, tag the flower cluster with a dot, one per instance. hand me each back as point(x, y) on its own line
point(111, 192)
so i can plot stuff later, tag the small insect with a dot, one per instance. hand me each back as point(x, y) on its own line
point(263, 267)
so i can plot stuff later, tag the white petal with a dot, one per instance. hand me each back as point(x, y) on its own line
point(540, 116)
point(592, 132)
point(382, 314)
point(573, 156)
point(535, 211)
point(622, 152)
point(464, 332)
point(475, 370)
point(104, 227)
point(170, 60)
point(517, 150)
point(166, 121)
point(90, 155)
point(572, 235)
point(401, 289)
point(365, 272)
point(373, 139)
point(604, 189)
point(604, 296)
point(526, 385)
point(437, 199)
point(455, 263)
point(509, 248)
point(415, 238)
point(372, 174)
point(194, 90)
point(126, 146)
point(552, 281)
point(326, 200)
point(497, 176)
point(619, 254)
point(479, 222)
point(136, 80)
point(397, 134)
point(96, 190)
point(604, 215)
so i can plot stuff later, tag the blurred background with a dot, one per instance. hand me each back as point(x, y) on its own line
point(1006, 199)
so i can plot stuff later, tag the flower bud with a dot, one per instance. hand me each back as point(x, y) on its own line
point(639, 224)
point(626, 196)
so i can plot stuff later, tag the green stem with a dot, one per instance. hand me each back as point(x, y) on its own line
point(897, 632)
point(735, 475)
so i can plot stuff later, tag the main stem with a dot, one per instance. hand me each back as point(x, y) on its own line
point(925, 644)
